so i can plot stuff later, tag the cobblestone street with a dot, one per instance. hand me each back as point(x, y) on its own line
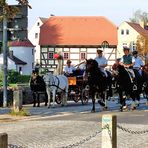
point(59, 127)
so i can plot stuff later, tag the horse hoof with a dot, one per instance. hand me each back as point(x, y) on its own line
point(34, 106)
point(101, 103)
point(133, 108)
point(38, 106)
point(93, 111)
point(46, 104)
point(105, 108)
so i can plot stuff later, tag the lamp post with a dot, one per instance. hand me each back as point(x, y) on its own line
point(5, 58)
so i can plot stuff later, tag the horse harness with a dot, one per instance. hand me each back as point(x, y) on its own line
point(54, 83)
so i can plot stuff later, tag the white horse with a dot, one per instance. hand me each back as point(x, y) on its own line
point(56, 84)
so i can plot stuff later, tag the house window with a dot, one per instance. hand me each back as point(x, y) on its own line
point(122, 31)
point(66, 55)
point(133, 46)
point(50, 55)
point(82, 55)
point(32, 51)
point(127, 31)
point(38, 24)
point(20, 70)
point(36, 35)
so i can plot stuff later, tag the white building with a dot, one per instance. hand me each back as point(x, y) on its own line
point(34, 35)
point(21, 57)
point(127, 35)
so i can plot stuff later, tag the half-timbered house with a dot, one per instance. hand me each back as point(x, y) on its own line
point(77, 38)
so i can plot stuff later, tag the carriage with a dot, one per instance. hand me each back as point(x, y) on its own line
point(78, 89)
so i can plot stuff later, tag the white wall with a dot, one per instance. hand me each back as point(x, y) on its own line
point(24, 54)
point(125, 39)
point(11, 64)
point(35, 41)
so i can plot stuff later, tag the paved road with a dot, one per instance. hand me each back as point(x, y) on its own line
point(61, 126)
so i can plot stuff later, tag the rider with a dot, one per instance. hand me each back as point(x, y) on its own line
point(138, 62)
point(115, 65)
point(102, 61)
point(69, 69)
point(128, 61)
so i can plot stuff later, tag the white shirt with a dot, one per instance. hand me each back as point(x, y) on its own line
point(138, 62)
point(69, 69)
point(101, 61)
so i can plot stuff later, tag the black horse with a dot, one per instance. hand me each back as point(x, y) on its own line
point(38, 87)
point(145, 81)
point(127, 87)
point(97, 82)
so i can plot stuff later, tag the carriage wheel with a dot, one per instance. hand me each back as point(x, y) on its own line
point(76, 97)
point(85, 96)
point(58, 99)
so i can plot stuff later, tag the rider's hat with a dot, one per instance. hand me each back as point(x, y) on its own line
point(135, 52)
point(126, 48)
point(99, 50)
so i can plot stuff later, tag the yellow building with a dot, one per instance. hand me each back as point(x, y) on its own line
point(127, 35)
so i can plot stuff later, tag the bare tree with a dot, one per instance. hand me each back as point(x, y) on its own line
point(139, 16)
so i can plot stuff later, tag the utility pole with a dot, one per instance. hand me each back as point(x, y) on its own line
point(5, 58)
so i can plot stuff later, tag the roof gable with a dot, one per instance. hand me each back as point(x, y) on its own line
point(21, 44)
point(138, 28)
point(78, 30)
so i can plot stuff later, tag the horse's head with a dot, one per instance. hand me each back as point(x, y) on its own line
point(91, 64)
point(47, 78)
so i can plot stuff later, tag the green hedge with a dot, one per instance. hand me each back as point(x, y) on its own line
point(14, 77)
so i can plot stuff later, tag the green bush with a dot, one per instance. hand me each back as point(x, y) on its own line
point(14, 77)
point(23, 79)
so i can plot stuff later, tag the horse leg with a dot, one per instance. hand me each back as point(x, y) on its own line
point(34, 98)
point(53, 97)
point(38, 99)
point(93, 102)
point(133, 105)
point(101, 102)
point(65, 96)
point(46, 99)
point(49, 96)
point(122, 100)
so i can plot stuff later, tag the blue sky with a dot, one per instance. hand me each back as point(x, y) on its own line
point(115, 10)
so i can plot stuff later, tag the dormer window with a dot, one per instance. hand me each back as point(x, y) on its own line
point(127, 31)
point(38, 24)
point(122, 31)
point(105, 44)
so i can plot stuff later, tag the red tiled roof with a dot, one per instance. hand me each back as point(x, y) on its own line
point(78, 30)
point(21, 43)
point(139, 29)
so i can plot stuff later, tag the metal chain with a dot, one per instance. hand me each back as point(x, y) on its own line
point(86, 139)
point(130, 131)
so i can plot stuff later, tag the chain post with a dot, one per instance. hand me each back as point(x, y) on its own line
point(109, 132)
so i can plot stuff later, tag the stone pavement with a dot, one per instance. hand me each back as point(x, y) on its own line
point(34, 132)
